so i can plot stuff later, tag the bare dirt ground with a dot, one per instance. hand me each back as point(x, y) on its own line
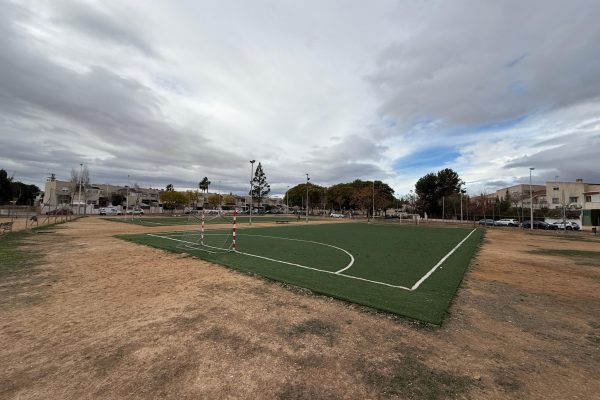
point(25, 223)
point(103, 318)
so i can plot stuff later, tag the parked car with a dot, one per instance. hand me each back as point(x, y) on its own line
point(575, 226)
point(538, 225)
point(336, 215)
point(110, 211)
point(506, 222)
point(567, 225)
point(135, 212)
point(486, 222)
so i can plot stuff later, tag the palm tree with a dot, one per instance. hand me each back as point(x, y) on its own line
point(204, 184)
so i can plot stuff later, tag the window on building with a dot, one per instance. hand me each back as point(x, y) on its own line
point(573, 199)
point(555, 188)
point(588, 199)
point(555, 200)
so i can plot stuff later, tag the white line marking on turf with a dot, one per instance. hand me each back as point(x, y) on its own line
point(428, 274)
point(311, 241)
point(338, 273)
point(182, 241)
point(320, 270)
point(377, 282)
point(150, 222)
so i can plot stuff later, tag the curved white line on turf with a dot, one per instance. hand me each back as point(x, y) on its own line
point(431, 271)
point(182, 241)
point(310, 241)
point(321, 270)
point(414, 287)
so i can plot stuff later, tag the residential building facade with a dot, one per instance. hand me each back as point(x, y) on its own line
point(521, 196)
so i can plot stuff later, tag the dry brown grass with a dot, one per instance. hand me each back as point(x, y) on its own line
point(116, 320)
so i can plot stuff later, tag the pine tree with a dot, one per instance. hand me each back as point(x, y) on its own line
point(260, 187)
point(6, 191)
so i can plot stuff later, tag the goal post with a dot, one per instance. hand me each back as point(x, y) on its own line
point(209, 240)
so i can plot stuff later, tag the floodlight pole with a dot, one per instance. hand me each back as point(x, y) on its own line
point(531, 197)
point(307, 179)
point(251, 173)
point(373, 215)
point(444, 208)
point(461, 212)
point(79, 197)
point(287, 200)
point(127, 198)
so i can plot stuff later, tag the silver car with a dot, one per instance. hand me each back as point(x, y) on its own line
point(567, 225)
point(506, 222)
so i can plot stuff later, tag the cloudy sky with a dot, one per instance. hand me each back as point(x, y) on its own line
point(172, 91)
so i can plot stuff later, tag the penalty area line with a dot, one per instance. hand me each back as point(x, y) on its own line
point(322, 270)
point(182, 241)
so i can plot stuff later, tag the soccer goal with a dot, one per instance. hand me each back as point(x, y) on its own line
point(210, 241)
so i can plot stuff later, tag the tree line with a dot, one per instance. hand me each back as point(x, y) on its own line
point(15, 191)
point(355, 195)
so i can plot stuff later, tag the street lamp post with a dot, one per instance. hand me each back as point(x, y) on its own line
point(531, 197)
point(287, 200)
point(220, 197)
point(307, 179)
point(462, 191)
point(373, 214)
point(79, 196)
point(251, 173)
point(127, 198)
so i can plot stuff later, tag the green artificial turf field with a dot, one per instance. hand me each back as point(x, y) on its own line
point(209, 220)
point(406, 270)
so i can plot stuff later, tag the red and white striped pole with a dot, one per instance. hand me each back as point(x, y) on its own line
point(202, 230)
point(233, 233)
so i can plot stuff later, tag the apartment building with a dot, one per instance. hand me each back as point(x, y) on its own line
point(65, 194)
point(578, 194)
point(520, 194)
point(57, 194)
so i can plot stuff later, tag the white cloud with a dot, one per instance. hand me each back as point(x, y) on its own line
point(173, 92)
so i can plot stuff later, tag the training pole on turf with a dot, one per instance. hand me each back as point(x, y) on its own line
point(233, 230)
point(202, 230)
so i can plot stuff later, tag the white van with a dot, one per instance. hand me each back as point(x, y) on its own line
point(110, 211)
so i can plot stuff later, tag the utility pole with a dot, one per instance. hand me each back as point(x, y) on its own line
point(79, 197)
point(531, 197)
point(127, 198)
point(287, 200)
point(251, 173)
point(307, 179)
point(373, 215)
point(443, 207)
point(462, 191)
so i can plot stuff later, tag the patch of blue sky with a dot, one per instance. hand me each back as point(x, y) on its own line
point(465, 133)
point(432, 157)
point(498, 125)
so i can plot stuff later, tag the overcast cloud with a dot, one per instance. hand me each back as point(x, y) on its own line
point(175, 91)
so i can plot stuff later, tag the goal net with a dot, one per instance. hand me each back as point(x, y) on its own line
point(213, 240)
